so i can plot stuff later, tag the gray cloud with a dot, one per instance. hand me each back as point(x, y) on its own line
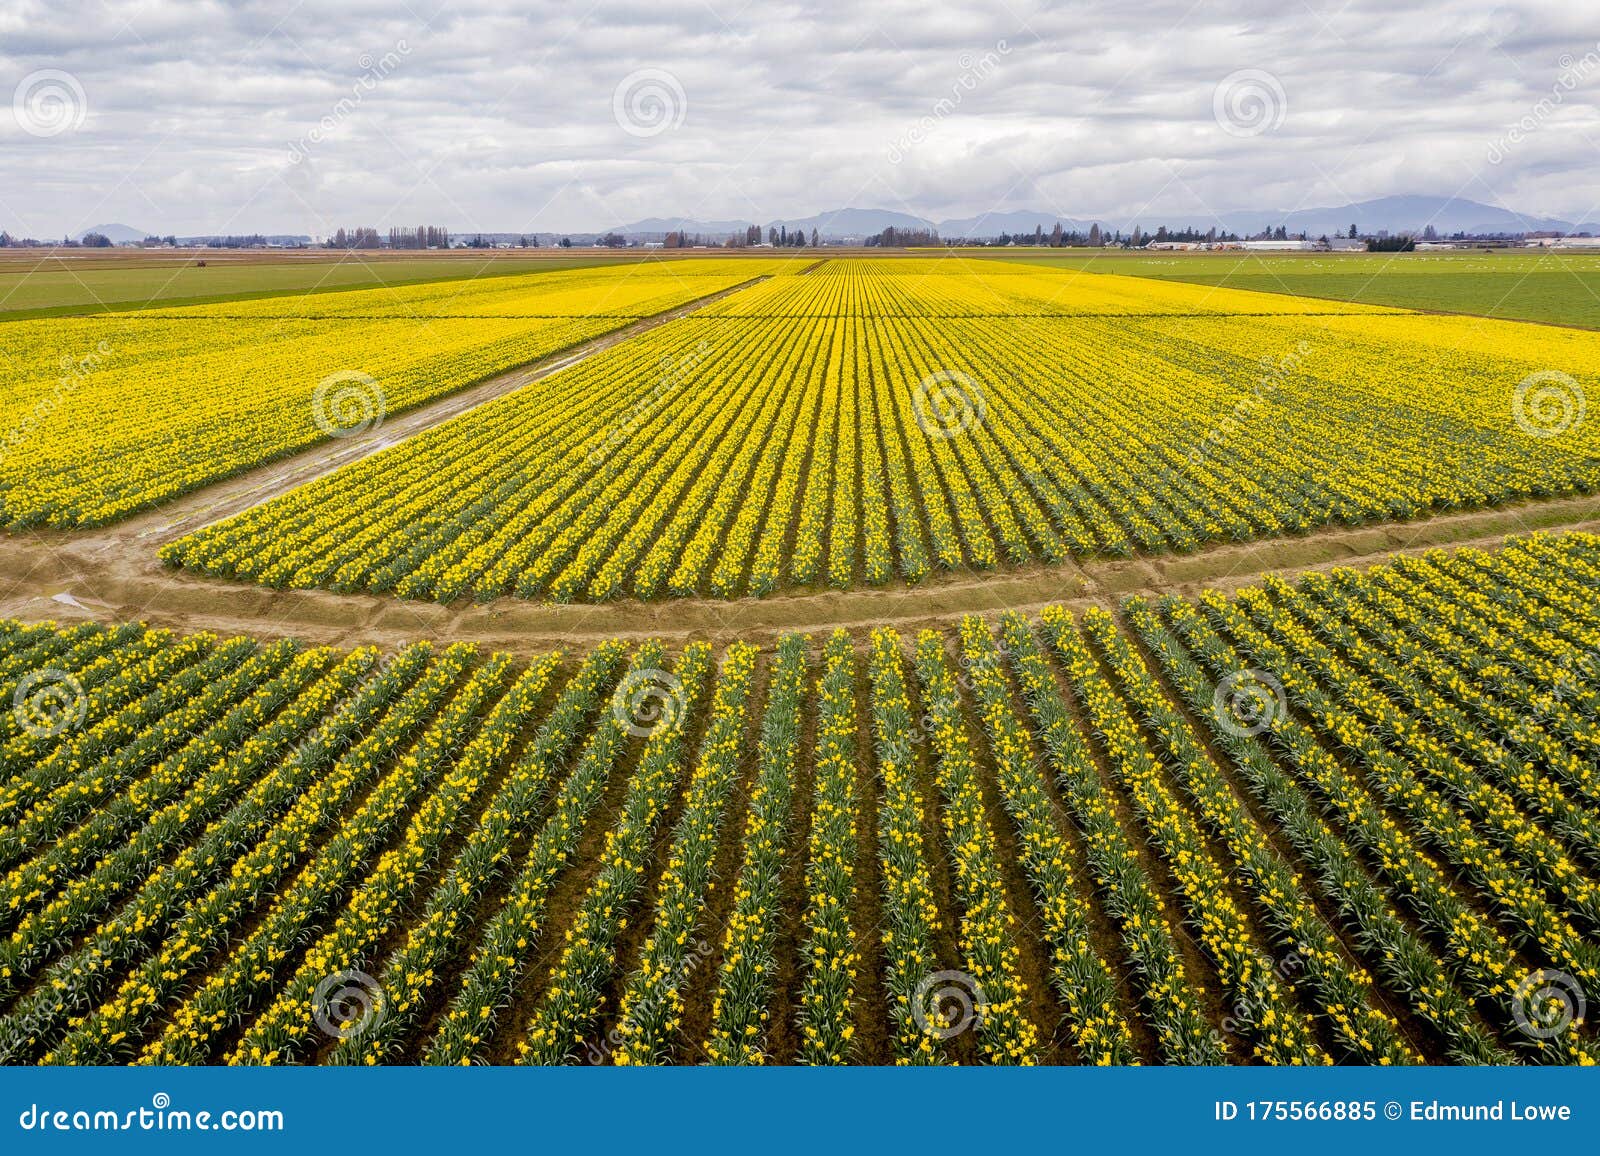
point(499, 116)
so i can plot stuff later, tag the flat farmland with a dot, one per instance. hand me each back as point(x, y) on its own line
point(879, 659)
point(108, 415)
point(1349, 819)
point(45, 283)
point(822, 615)
point(870, 421)
point(1560, 287)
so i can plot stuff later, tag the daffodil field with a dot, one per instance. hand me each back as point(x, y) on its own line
point(1348, 814)
point(858, 422)
point(106, 415)
point(1350, 818)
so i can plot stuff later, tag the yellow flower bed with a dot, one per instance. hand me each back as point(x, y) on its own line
point(1347, 819)
point(102, 416)
point(875, 418)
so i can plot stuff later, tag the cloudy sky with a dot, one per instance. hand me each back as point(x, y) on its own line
point(204, 116)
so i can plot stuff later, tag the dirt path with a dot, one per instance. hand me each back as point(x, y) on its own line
point(113, 576)
point(232, 495)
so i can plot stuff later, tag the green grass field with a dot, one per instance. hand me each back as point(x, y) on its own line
point(1559, 288)
point(1556, 288)
point(34, 285)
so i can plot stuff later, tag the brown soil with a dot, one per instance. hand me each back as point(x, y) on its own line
point(783, 1037)
point(1419, 1034)
point(1205, 984)
point(113, 575)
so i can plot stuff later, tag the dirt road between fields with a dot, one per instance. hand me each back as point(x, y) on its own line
point(113, 575)
point(230, 496)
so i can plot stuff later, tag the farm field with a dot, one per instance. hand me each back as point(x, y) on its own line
point(35, 283)
point(769, 592)
point(1332, 816)
point(1350, 818)
point(109, 415)
point(1557, 288)
point(869, 421)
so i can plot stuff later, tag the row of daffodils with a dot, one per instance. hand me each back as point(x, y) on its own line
point(1346, 819)
point(870, 421)
point(106, 415)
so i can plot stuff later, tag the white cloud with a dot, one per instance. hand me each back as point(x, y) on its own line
point(500, 116)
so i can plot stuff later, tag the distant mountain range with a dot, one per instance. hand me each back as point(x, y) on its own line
point(1398, 214)
point(665, 225)
point(1392, 214)
point(1020, 221)
point(116, 234)
point(1386, 214)
point(838, 224)
point(127, 234)
point(852, 223)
